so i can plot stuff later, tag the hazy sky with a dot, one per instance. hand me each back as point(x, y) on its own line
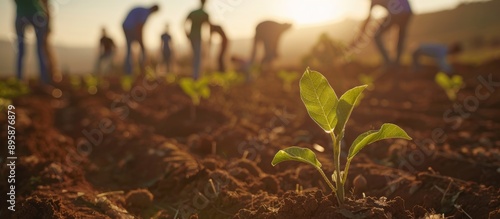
point(78, 22)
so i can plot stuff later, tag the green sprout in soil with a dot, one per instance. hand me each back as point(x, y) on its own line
point(12, 88)
point(126, 82)
point(288, 78)
point(195, 89)
point(75, 81)
point(226, 80)
point(331, 114)
point(451, 85)
point(91, 83)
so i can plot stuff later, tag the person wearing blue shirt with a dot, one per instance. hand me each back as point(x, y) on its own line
point(438, 52)
point(133, 28)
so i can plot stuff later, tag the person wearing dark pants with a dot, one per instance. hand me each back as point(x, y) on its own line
point(32, 13)
point(166, 49)
point(216, 29)
point(399, 15)
point(197, 19)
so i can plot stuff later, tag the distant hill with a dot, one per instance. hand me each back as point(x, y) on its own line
point(470, 23)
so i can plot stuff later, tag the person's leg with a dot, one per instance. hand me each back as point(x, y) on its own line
point(41, 29)
point(97, 68)
point(416, 60)
point(20, 26)
point(128, 61)
point(443, 65)
point(222, 55)
point(379, 41)
point(196, 44)
point(142, 57)
point(403, 27)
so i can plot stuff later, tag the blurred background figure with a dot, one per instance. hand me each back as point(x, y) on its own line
point(268, 33)
point(399, 14)
point(133, 28)
point(107, 50)
point(54, 72)
point(193, 26)
point(166, 49)
point(216, 29)
point(33, 13)
point(438, 52)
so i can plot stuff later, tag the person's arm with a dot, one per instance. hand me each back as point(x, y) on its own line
point(45, 5)
point(187, 25)
point(363, 26)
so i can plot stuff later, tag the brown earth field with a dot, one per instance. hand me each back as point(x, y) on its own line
point(150, 153)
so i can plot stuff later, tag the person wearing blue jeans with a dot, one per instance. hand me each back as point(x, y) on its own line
point(197, 18)
point(133, 27)
point(438, 52)
point(32, 13)
point(399, 14)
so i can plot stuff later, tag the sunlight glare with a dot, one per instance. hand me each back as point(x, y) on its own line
point(312, 11)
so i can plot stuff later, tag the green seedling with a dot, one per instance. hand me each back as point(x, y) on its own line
point(150, 74)
point(4, 104)
point(195, 89)
point(126, 82)
point(91, 83)
point(331, 114)
point(75, 81)
point(170, 78)
point(368, 80)
point(288, 78)
point(451, 85)
point(12, 88)
point(226, 80)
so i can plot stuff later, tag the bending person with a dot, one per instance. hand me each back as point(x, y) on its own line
point(133, 28)
point(106, 53)
point(399, 14)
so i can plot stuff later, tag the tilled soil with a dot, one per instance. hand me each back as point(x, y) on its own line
point(149, 153)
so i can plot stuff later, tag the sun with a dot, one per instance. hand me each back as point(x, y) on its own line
point(305, 12)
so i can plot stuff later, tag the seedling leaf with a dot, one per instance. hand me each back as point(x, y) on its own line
point(195, 89)
point(387, 131)
point(345, 105)
point(294, 153)
point(319, 98)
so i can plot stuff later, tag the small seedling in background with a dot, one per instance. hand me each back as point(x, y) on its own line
point(288, 78)
point(195, 89)
point(150, 74)
point(368, 80)
point(170, 78)
point(331, 114)
point(75, 81)
point(4, 103)
point(12, 88)
point(91, 83)
point(226, 80)
point(126, 82)
point(451, 85)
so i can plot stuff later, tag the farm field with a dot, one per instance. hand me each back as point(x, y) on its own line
point(150, 153)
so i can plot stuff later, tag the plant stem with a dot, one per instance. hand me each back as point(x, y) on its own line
point(327, 180)
point(336, 160)
point(346, 170)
